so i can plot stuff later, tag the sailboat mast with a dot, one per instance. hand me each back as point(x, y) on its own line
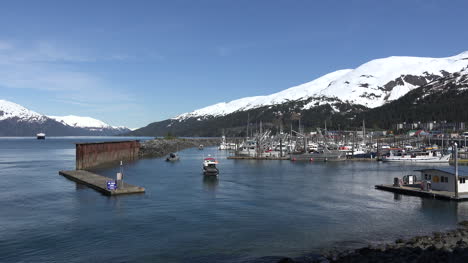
point(364, 131)
point(248, 122)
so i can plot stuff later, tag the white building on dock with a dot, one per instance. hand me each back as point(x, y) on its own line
point(443, 179)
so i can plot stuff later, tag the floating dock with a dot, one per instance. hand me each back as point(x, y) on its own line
point(416, 191)
point(99, 182)
point(289, 158)
point(258, 158)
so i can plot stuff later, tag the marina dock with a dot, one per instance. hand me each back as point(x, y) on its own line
point(99, 182)
point(258, 158)
point(416, 191)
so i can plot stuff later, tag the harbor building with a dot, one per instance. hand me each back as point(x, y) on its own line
point(443, 179)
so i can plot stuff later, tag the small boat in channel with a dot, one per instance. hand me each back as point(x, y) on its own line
point(209, 166)
point(40, 136)
point(173, 157)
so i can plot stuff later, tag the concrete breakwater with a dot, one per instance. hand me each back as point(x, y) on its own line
point(161, 147)
point(450, 246)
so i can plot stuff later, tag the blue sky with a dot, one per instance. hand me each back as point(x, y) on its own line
point(134, 62)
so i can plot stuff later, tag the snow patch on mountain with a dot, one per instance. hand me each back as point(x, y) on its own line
point(85, 122)
point(372, 77)
point(82, 122)
point(294, 93)
point(10, 110)
point(372, 84)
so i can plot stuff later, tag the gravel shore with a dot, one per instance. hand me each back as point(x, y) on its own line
point(162, 147)
point(450, 246)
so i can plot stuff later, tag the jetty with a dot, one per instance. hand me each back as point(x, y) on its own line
point(90, 155)
point(99, 182)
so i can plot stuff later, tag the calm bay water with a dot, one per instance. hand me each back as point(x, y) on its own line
point(254, 209)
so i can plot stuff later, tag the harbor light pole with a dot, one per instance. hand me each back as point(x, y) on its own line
point(456, 169)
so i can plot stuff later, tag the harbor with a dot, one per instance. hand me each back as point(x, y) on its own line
point(303, 201)
point(326, 145)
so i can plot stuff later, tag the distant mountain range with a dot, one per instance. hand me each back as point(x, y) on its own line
point(16, 120)
point(382, 91)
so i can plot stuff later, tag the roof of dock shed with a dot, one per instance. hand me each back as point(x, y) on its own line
point(462, 170)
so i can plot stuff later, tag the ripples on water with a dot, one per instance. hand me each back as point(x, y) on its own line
point(253, 210)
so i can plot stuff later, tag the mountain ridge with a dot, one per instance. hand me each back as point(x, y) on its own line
point(340, 98)
point(16, 120)
point(372, 84)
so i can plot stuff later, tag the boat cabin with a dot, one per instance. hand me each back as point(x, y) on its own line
point(443, 179)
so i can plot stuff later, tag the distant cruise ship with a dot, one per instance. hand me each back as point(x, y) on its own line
point(40, 136)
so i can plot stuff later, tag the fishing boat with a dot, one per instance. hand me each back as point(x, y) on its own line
point(322, 155)
point(200, 147)
point(225, 145)
point(172, 157)
point(40, 136)
point(417, 157)
point(209, 166)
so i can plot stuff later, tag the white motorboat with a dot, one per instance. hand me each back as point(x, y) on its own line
point(172, 157)
point(209, 166)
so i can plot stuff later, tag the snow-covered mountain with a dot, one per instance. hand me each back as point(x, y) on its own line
point(87, 122)
point(10, 110)
point(372, 84)
point(441, 100)
point(16, 120)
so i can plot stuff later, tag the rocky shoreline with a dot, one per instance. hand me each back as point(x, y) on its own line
point(450, 246)
point(161, 147)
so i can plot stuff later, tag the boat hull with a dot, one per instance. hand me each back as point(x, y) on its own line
point(443, 159)
point(319, 157)
point(211, 172)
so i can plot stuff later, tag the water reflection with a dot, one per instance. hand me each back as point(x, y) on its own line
point(210, 182)
point(79, 186)
point(396, 196)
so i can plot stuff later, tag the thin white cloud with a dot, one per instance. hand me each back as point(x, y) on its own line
point(4, 45)
point(46, 77)
point(224, 51)
point(49, 52)
point(228, 50)
point(50, 68)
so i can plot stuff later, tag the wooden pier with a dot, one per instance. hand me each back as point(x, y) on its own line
point(99, 182)
point(416, 191)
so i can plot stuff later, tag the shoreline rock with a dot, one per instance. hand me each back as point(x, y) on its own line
point(449, 246)
point(161, 147)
